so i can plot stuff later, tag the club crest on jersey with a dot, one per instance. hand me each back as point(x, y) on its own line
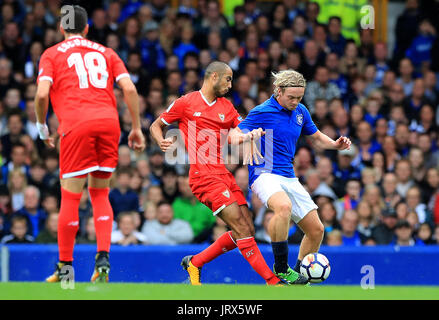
point(226, 193)
point(299, 119)
point(221, 116)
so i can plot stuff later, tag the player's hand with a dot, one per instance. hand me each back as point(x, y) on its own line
point(136, 140)
point(251, 153)
point(343, 143)
point(165, 144)
point(254, 134)
point(50, 142)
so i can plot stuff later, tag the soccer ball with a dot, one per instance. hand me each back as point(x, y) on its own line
point(315, 267)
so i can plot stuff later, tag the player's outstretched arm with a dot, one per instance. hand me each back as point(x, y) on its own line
point(156, 130)
point(41, 106)
point(326, 142)
point(136, 140)
point(236, 136)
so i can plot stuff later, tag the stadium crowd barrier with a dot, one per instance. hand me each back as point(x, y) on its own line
point(379, 265)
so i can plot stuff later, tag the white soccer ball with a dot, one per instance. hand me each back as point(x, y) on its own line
point(315, 267)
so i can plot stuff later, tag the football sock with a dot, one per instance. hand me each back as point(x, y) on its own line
point(68, 224)
point(223, 244)
point(102, 217)
point(297, 266)
point(280, 252)
point(251, 253)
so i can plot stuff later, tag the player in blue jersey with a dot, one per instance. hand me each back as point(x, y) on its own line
point(279, 122)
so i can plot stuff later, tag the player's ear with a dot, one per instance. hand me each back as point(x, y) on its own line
point(61, 29)
point(85, 32)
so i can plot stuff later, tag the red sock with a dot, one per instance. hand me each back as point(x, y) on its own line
point(102, 216)
point(251, 253)
point(223, 244)
point(68, 224)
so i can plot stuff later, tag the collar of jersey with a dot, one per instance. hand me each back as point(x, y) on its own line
point(276, 104)
point(205, 100)
point(73, 37)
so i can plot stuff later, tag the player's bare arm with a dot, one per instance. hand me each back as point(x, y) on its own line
point(41, 107)
point(156, 130)
point(322, 140)
point(251, 152)
point(136, 140)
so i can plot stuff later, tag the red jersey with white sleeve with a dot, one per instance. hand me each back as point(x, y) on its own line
point(205, 127)
point(82, 73)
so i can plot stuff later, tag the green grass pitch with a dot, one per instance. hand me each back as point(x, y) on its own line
point(159, 291)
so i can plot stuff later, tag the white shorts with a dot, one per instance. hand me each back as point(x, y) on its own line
point(268, 184)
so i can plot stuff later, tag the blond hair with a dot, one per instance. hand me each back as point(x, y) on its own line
point(287, 78)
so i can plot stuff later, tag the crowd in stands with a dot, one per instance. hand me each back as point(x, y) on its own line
point(383, 191)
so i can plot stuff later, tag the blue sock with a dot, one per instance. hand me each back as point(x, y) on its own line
point(297, 266)
point(280, 252)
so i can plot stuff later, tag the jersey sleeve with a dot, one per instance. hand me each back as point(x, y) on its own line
point(117, 66)
point(45, 67)
point(174, 112)
point(251, 122)
point(309, 128)
point(236, 117)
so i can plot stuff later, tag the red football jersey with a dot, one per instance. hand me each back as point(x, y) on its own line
point(205, 127)
point(82, 73)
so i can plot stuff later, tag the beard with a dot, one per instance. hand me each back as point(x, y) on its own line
point(217, 90)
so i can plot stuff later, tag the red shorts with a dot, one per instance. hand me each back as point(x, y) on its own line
point(216, 191)
point(92, 146)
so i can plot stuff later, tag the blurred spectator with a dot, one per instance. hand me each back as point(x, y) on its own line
point(186, 207)
point(372, 195)
point(420, 48)
point(406, 78)
point(99, 27)
point(404, 237)
point(415, 99)
point(17, 162)
point(390, 195)
point(153, 55)
point(89, 233)
point(138, 75)
point(50, 232)
point(169, 186)
point(343, 168)
point(336, 42)
point(425, 234)
point(122, 198)
point(328, 216)
point(350, 60)
point(366, 220)
point(416, 159)
point(349, 224)
point(334, 238)
point(321, 88)
point(384, 233)
point(404, 176)
point(407, 27)
point(262, 235)
point(19, 232)
point(413, 199)
point(126, 233)
point(165, 229)
point(16, 185)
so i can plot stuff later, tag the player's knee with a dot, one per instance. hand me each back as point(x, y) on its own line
point(317, 232)
point(284, 210)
